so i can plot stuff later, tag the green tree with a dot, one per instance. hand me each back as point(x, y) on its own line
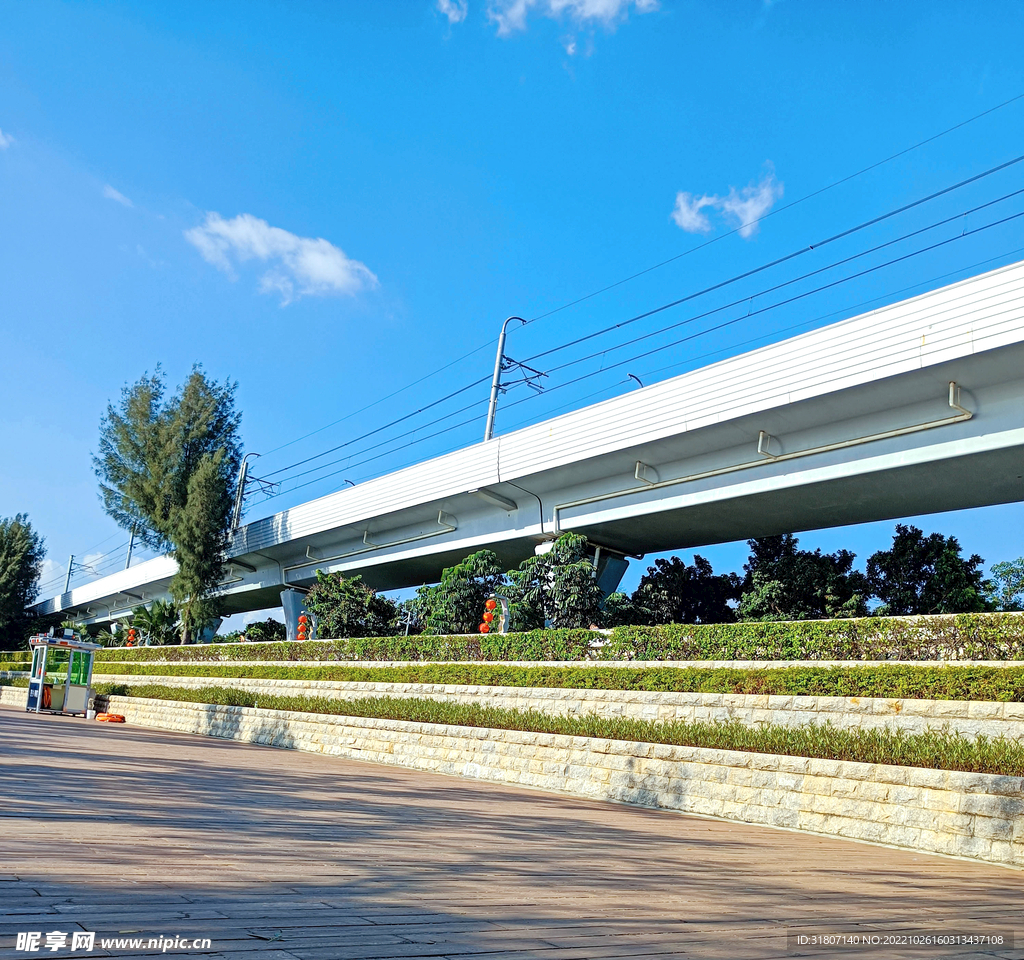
point(158, 623)
point(167, 470)
point(263, 631)
point(923, 575)
point(1008, 589)
point(456, 604)
point(673, 592)
point(784, 583)
point(557, 588)
point(617, 610)
point(347, 607)
point(21, 554)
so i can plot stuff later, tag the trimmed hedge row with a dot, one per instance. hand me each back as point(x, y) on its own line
point(14, 656)
point(937, 750)
point(897, 681)
point(532, 645)
point(967, 636)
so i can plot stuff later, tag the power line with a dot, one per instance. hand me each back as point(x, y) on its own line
point(781, 303)
point(789, 256)
point(589, 296)
point(775, 333)
point(787, 206)
point(379, 456)
point(779, 286)
point(693, 336)
point(346, 459)
point(395, 393)
point(347, 443)
point(714, 287)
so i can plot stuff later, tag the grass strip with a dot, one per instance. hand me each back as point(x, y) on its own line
point(897, 681)
point(941, 750)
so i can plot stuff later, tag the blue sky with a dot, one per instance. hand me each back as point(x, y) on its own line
point(328, 201)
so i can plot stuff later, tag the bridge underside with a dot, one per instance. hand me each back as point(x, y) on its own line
point(872, 419)
point(928, 469)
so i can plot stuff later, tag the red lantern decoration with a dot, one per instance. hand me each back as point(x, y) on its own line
point(485, 628)
point(490, 605)
point(488, 617)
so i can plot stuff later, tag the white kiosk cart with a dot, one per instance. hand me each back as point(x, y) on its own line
point(61, 673)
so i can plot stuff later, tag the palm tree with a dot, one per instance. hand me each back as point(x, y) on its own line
point(158, 624)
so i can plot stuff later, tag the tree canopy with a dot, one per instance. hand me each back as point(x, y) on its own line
point(926, 574)
point(347, 607)
point(21, 553)
point(1008, 589)
point(784, 583)
point(673, 591)
point(557, 588)
point(457, 602)
point(167, 469)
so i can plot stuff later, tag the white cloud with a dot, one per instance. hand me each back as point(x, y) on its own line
point(51, 578)
point(5, 140)
point(511, 15)
point(111, 194)
point(89, 561)
point(454, 10)
point(299, 266)
point(687, 213)
point(745, 207)
point(751, 203)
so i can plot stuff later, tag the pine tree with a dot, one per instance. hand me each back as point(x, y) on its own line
point(21, 553)
point(167, 469)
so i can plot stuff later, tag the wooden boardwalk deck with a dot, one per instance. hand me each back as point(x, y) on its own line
point(133, 832)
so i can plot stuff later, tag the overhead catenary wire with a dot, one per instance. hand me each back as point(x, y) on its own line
point(863, 304)
point(788, 206)
point(94, 567)
point(370, 433)
point(747, 297)
point(379, 456)
point(807, 248)
point(889, 295)
point(381, 400)
point(849, 231)
point(786, 283)
point(331, 463)
point(784, 207)
point(758, 312)
point(688, 338)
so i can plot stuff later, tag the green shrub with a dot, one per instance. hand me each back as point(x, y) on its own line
point(557, 587)
point(969, 636)
point(898, 681)
point(455, 605)
point(16, 656)
point(992, 636)
point(941, 750)
point(347, 607)
point(532, 645)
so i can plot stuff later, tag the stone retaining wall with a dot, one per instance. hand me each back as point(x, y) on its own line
point(849, 713)
point(13, 696)
point(974, 816)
